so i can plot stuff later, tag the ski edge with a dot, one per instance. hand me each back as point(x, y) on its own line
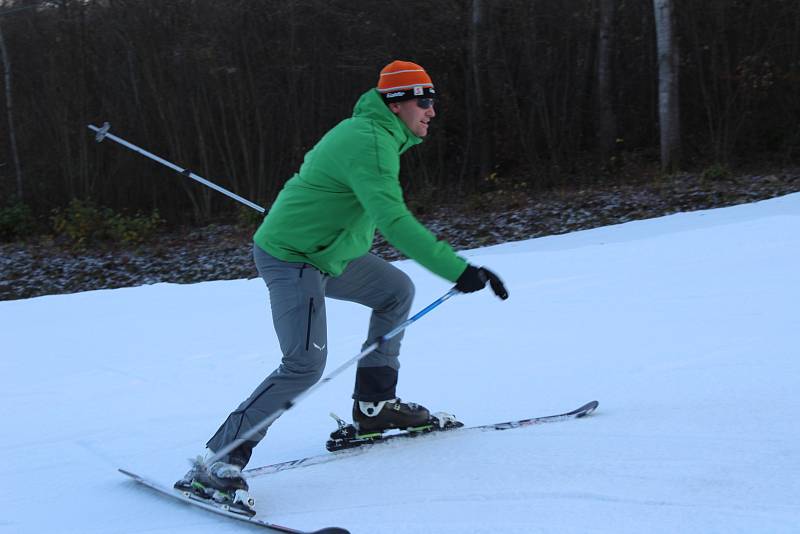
point(577, 413)
point(308, 461)
point(171, 492)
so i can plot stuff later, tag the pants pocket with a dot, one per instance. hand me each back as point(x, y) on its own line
point(308, 323)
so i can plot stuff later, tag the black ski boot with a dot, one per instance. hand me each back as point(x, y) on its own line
point(389, 414)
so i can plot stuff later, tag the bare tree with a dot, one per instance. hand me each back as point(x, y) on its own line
point(10, 113)
point(478, 143)
point(668, 104)
point(607, 120)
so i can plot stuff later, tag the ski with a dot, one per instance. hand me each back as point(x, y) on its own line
point(208, 504)
point(577, 413)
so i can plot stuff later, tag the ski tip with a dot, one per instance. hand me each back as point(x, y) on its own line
point(331, 530)
point(587, 408)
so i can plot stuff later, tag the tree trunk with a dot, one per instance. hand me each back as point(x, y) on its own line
point(10, 112)
point(668, 105)
point(478, 67)
point(607, 120)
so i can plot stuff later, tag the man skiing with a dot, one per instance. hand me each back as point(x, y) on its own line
point(314, 243)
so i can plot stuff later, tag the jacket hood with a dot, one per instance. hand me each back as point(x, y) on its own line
point(371, 106)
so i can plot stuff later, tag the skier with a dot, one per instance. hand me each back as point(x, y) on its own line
point(314, 243)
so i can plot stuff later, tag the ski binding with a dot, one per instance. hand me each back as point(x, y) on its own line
point(347, 436)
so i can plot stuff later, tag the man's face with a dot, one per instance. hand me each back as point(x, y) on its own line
point(415, 117)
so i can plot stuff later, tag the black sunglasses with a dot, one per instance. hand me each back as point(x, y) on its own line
point(425, 103)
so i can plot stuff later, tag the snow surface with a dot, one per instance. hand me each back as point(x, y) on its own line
point(685, 328)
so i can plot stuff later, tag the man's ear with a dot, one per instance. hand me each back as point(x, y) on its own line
point(394, 107)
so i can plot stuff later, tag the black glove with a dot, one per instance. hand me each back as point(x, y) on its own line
point(475, 278)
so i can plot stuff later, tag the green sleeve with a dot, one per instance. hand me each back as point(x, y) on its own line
point(376, 184)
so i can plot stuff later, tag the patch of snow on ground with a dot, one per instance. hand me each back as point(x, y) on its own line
point(684, 328)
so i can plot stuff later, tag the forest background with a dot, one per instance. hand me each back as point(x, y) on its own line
point(536, 96)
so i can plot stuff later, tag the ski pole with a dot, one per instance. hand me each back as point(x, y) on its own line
point(102, 133)
point(268, 420)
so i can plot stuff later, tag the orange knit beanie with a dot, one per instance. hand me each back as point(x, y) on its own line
point(403, 80)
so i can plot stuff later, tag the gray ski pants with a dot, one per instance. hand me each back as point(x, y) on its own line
point(297, 295)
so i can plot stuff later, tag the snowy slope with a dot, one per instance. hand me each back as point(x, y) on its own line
point(685, 328)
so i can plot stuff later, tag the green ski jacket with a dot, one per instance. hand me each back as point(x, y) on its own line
point(348, 185)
